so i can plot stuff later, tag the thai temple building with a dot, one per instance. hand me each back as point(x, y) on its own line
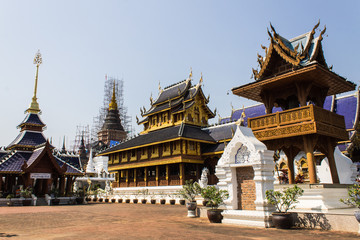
point(301, 111)
point(176, 142)
point(112, 130)
point(31, 161)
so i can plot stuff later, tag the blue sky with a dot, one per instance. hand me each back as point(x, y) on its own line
point(145, 42)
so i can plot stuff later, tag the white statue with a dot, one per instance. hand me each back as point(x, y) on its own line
point(203, 182)
point(107, 186)
point(76, 187)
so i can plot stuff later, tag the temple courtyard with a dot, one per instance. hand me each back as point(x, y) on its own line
point(133, 221)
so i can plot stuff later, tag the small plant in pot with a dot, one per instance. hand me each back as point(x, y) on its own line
point(26, 194)
point(136, 200)
point(152, 198)
point(80, 195)
point(283, 201)
point(55, 193)
point(9, 197)
point(215, 197)
point(353, 199)
point(144, 193)
point(172, 200)
point(189, 191)
point(162, 196)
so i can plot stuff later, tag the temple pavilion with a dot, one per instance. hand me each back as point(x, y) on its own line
point(297, 89)
point(31, 161)
point(176, 143)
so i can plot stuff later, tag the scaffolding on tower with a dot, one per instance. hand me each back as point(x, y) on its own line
point(82, 132)
point(126, 120)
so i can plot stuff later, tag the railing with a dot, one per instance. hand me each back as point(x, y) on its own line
point(298, 121)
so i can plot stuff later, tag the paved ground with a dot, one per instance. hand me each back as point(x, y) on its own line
point(132, 221)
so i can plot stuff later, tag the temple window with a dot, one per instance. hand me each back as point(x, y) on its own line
point(133, 153)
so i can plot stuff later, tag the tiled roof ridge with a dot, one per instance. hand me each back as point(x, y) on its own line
point(218, 125)
point(68, 164)
point(298, 37)
point(175, 84)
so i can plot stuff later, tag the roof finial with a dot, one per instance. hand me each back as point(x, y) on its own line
point(63, 150)
point(113, 104)
point(190, 75)
point(34, 106)
point(160, 90)
point(201, 79)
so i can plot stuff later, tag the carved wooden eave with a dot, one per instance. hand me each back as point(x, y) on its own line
point(292, 55)
point(315, 73)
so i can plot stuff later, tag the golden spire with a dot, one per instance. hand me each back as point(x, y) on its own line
point(190, 75)
point(113, 104)
point(34, 105)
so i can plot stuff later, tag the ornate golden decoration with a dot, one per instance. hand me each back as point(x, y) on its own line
point(113, 104)
point(34, 105)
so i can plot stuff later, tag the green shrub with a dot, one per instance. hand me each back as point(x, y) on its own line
point(284, 201)
point(214, 196)
point(354, 196)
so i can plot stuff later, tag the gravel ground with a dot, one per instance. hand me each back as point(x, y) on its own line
point(133, 221)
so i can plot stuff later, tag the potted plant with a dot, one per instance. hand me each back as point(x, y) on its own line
point(9, 197)
point(26, 194)
point(215, 198)
point(55, 193)
point(144, 193)
point(353, 199)
point(162, 196)
point(126, 197)
point(136, 200)
point(172, 200)
point(283, 201)
point(80, 195)
point(152, 198)
point(189, 191)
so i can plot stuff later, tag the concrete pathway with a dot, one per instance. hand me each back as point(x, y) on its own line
point(133, 221)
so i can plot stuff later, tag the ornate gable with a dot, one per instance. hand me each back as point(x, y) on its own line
point(284, 55)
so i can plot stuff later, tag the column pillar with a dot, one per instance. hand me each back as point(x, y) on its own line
point(1, 182)
point(127, 177)
point(291, 152)
point(62, 185)
point(157, 175)
point(182, 177)
point(330, 155)
point(135, 176)
point(146, 176)
point(309, 144)
point(167, 174)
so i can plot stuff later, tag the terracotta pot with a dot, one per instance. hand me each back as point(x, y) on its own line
point(135, 201)
point(113, 200)
point(162, 201)
point(127, 200)
point(153, 201)
point(191, 206)
point(106, 200)
point(357, 215)
point(120, 200)
point(55, 201)
point(26, 202)
point(79, 200)
point(282, 220)
point(214, 215)
point(182, 202)
point(94, 199)
point(100, 199)
point(172, 202)
point(143, 201)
